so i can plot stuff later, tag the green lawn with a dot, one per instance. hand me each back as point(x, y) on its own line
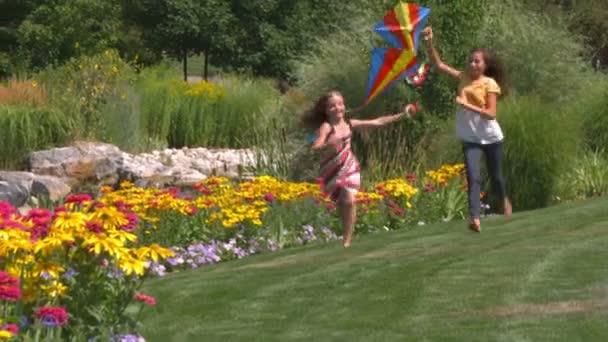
point(537, 276)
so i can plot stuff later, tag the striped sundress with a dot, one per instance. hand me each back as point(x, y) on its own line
point(340, 169)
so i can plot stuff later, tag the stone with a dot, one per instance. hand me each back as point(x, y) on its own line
point(53, 188)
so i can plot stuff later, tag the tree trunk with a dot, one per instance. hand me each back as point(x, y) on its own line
point(206, 67)
point(185, 59)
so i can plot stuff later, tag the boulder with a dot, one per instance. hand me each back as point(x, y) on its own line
point(15, 187)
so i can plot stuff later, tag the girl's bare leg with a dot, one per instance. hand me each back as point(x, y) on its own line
point(349, 216)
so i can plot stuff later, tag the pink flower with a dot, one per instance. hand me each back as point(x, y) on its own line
point(269, 197)
point(7, 210)
point(133, 222)
point(330, 206)
point(12, 328)
point(145, 298)
point(52, 316)
point(7, 279)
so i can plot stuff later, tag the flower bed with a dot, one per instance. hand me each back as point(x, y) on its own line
point(73, 272)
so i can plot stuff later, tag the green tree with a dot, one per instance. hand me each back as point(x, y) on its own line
point(181, 28)
point(57, 30)
point(12, 13)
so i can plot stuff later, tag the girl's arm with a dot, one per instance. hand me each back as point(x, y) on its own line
point(488, 113)
point(377, 122)
point(322, 142)
point(435, 55)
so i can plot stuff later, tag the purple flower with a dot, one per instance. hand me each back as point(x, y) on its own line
point(128, 338)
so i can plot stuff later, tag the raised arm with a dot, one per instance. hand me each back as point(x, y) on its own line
point(377, 122)
point(435, 55)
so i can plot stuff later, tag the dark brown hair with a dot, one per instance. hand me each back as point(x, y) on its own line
point(317, 115)
point(495, 68)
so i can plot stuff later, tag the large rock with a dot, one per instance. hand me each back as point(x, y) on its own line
point(85, 161)
point(105, 164)
point(15, 187)
point(50, 187)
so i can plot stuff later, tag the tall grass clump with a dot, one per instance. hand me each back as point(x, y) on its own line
point(158, 99)
point(592, 107)
point(17, 91)
point(121, 124)
point(25, 129)
point(222, 114)
point(587, 177)
point(541, 142)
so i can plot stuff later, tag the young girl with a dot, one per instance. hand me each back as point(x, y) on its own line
point(339, 166)
point(476, 124)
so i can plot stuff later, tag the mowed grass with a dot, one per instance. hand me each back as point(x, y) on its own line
point(536, 276)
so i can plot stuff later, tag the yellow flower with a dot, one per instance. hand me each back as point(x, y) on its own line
point(69, 221)
point(51, 269)
point(109, 216)
point(130, 265)
point(55, 289)
point(154, 252)
point(5, 334)
point(34, 83)
point(114, 69)
point(99, 244)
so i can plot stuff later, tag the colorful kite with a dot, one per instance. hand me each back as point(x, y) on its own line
point(400, 28)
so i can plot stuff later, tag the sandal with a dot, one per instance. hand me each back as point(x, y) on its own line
point(475, 226)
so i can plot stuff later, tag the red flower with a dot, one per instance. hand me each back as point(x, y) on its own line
point(78, 198)
point(192, 210)
point(429, 187)
point(392, 204)
point(52, 316)
point(145, 298)
point(411, 177)
point(399, 211)
point(94, 226)
point(330, 206)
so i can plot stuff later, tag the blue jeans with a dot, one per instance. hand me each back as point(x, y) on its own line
point(472, 160)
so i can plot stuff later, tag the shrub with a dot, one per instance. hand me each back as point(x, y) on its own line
point(592, 107)
point(81, 87)
point(540, 143)
point(587, 177)
point(25, 129)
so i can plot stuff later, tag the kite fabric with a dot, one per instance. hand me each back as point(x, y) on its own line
point(400, 28)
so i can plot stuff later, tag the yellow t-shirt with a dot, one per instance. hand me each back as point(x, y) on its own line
point(476, 92)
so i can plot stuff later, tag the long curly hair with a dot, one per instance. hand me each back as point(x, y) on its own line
point(495, 67)
point(317, 115)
